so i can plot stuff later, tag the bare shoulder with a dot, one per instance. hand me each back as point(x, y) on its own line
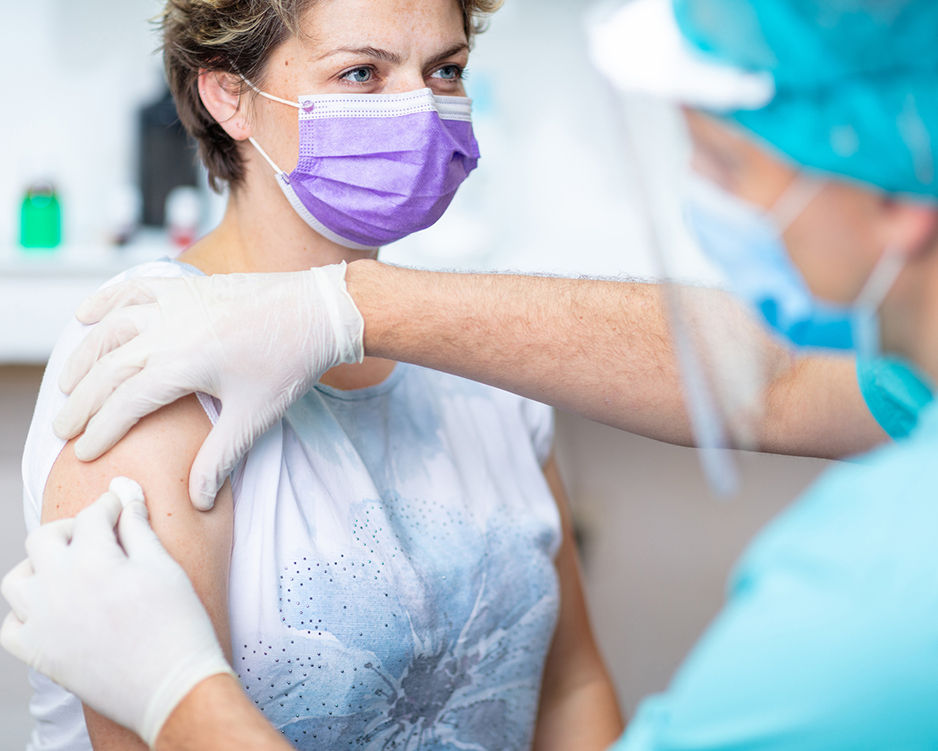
point(157, 453)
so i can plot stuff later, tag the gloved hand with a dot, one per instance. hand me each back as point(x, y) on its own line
point(257, 342)
point(112, 619)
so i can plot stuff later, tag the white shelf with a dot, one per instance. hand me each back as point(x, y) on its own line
point(40, 291)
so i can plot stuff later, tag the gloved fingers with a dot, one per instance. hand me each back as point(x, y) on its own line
point(13, 588)
point(48, 543)
point(102, 302)
point(94, 526)
point(136, 397)
point(92, 392)
point(114, 331)
point(136, 535)
point(11, 638)
point(226, 444)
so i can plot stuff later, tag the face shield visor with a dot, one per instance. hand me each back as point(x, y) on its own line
point(727, 357)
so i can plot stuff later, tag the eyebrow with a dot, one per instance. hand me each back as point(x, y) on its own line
point(391, 57)
point(452, 51)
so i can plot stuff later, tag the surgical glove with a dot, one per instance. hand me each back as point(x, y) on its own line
point(112, 619)
point(257, 342)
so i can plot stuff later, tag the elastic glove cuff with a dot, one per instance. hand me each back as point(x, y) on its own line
point(347, 322)
point(175, 688)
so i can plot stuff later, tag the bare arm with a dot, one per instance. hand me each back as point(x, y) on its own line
point(157, 453)
point(578, 706)
point(218, 716)
point(601, 349)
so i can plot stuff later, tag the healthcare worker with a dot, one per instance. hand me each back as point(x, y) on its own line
point(829, 638)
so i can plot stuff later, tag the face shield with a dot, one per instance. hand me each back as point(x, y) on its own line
point(727, 357)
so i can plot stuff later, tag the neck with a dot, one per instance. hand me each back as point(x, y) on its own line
point(910, 316)
point(924, 352)
point(261, 233)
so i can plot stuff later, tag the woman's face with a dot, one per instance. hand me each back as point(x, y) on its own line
point(359, 47)
point(835, 243)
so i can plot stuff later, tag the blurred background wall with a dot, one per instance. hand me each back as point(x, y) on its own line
point(552, 196)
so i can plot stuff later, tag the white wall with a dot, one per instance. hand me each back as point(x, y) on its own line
point(18, 389)
point(75, 74)
point(550, 187)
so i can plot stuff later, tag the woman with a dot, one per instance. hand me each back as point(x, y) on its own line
point(400, 576)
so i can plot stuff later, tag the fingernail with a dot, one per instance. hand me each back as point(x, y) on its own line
point(83, 452)
point(62, 428)
point(139, 508)
point(204, 499)
point(65, 382)
point(129, 491)
point(84, 313)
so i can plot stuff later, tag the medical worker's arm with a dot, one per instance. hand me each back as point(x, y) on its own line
point(598, 348)
point(256, 342)
point(157, 453)
point(578, 708)
point(218, 716)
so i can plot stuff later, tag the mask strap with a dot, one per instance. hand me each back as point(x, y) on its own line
point(793, 202)
point(263, 153)
point(881, 281)
point(271, 97)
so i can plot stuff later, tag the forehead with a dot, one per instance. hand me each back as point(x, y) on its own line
point(731, 157)
point(387, 24)
point(708, 132)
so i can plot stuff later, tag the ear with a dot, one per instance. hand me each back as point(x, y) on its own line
point(221, 95)
point(911, 227)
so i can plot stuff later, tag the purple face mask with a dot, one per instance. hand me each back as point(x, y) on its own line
point(375, 168)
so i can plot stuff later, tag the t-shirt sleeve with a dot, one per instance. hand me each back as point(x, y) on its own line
point(895, 394)
point(42, 447)
point(539, 420)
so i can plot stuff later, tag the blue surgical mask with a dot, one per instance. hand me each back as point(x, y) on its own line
point(747, 245)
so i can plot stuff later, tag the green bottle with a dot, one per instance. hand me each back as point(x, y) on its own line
point(41, 218)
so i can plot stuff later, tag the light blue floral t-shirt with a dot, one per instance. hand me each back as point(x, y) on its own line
point(392, 576)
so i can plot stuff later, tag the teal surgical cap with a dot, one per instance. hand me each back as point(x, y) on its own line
point(856, 81)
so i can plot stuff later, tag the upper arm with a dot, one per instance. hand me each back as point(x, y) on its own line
point(578, 707)
point(157, 453)
point(574, 647)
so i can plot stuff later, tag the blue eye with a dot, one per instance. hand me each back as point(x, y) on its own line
point(449, 73)
point(359, 75)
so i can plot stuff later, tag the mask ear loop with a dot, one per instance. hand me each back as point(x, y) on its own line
point(869, 302)
point(271, 97)
point(279, 172)
point(793, 202)
point(882, 279)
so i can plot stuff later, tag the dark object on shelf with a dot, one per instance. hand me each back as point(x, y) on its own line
point(167, 158)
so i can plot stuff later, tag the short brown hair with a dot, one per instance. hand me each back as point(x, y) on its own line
point(237, 36)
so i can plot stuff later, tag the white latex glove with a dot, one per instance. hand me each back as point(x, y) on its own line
point(114, 620)
point(257, 342)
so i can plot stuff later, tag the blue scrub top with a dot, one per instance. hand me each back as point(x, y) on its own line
point(829, 639)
